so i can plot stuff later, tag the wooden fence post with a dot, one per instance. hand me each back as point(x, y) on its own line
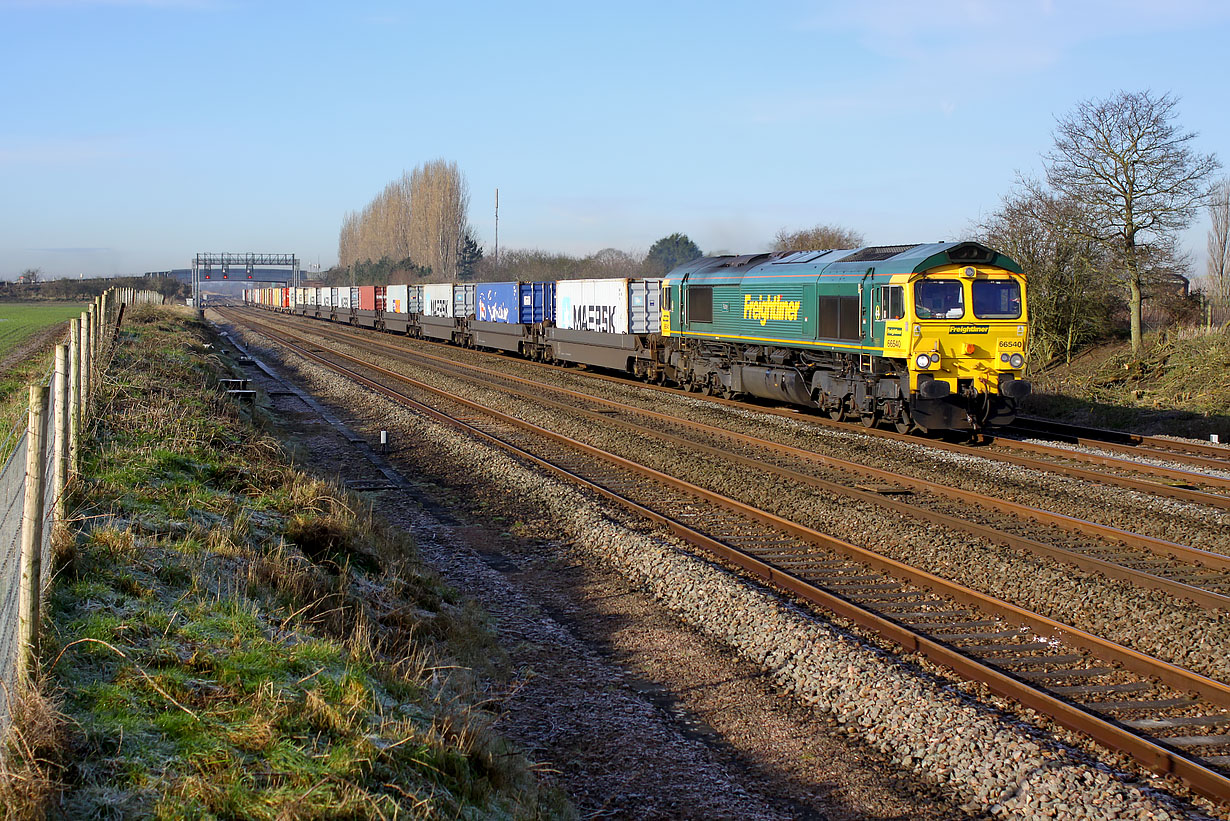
point(32, 534)
point(74, 394)
point(59, 459)
point(85, 363)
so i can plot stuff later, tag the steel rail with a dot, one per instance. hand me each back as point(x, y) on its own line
point(1160, 547)
point(1217, 456)
point(1206, 598)
point(1182, 491)
point(1148, 752)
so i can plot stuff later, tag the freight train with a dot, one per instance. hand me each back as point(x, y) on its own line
point(921, 337)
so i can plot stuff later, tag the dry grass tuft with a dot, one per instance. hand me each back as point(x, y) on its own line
point(31, 769)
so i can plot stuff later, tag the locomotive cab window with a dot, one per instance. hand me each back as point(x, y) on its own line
point(997, 299)
point(700, 304)
point(939, 299)
point(890, 303)
point(666, 299)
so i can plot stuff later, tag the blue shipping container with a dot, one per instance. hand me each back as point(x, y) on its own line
point(515, 302)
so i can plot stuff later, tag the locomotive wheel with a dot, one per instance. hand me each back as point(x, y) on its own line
point(870, 420)
point(838, 413)
point(903, 423)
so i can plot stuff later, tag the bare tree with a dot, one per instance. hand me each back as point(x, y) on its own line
point(1219, 242)
point(1069, 303)
point(32, 275)
point(439, 204)
point(818, 238)
point(1132, 170)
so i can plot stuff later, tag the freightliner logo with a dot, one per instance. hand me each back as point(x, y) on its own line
point(766, 308)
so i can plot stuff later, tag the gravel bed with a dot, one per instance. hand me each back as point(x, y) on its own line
point(1137, 511)
point(1140, 459)
point(993, 762)
point(1146, 620)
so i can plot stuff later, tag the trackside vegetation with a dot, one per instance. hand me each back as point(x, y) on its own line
point(230, 637)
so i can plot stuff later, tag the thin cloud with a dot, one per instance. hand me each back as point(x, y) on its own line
point(61, 152)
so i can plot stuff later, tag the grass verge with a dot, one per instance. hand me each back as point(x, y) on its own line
point(230, 637)
point(1179, 385)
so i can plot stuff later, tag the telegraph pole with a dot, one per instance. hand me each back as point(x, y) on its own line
point(497, 226)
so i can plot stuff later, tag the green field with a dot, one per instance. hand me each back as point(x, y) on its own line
point(20, 320)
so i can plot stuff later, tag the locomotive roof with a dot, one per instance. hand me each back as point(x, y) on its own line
point(885, 259)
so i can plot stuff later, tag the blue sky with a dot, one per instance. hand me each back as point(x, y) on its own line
point(135, 133)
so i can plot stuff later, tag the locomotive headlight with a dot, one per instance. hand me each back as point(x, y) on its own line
point(935, 358)
point(1003, 357)
point(1016, 360)
point(922, 361)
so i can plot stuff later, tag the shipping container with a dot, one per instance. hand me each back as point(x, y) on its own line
point(438, 300)
point(284, 294)
point(354, 296)
point(518, 302)
point(613, 306)
point(592, 305)
point(645, 306)
point(343, 298)
point(382, 298)
point(397, 299)
point(463, 299)
point(367, 297)
point(311, 296)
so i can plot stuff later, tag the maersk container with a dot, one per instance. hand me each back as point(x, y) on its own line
point(438, 300)
point(614, 306)
point(463, 299)
point(517, 302)
point(367, 297)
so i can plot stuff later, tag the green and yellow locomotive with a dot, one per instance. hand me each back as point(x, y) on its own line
point(920, 336)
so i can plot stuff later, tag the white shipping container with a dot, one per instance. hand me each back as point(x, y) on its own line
point(592, 305)
point(326, 297)
point(396, 299)
point(343, 298)
point(438, 300)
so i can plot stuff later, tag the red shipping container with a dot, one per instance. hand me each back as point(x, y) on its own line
point(285, 297)
point(367, 297)
point(382, 298)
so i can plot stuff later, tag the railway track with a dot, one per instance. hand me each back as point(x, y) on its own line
point(1196, 454)
point(1197, 575)
point(1185, 485)
point(1169, 719)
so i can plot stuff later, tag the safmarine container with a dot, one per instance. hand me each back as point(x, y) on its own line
point(497, 301)
point(438, 300)
point(520, 302)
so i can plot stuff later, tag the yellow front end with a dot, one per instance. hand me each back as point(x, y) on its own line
point(965, 336)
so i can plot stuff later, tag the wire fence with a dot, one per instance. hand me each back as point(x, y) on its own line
point(34, 481)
